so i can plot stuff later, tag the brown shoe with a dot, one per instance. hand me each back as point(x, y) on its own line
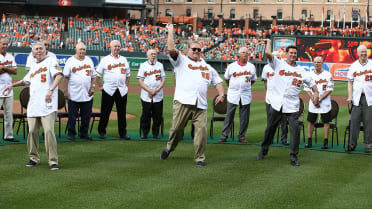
point(242, 141)
point(367, 150)
point(223, 139)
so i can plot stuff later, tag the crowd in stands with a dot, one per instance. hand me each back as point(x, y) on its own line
point(97, 33)
point(23, 31)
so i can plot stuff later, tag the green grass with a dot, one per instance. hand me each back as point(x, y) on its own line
point(129, 174)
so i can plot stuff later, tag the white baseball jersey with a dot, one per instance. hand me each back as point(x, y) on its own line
point(268, 76)
point(6, 78)
point(41, 77)
point(287, 84)
point(324, 82)
point(32, 60)
point(361, 75)
point(152, 76)
point(80, 74)
point(114, 71)
point(240, 80)
point(192, 80)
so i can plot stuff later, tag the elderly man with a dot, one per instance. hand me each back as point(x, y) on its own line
point(360, 96)
point(43, 78)
point(8, 67)
point(287, 83)
point(79, 75)
point(151, 78)
point(190, 98)
point(267, 77)
point(116, 73)
point(240, 76)
point(31, 59)
point(324, 83)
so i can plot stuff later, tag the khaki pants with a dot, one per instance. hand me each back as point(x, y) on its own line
point(181, 114)
point(7, 103)
point(34, 124)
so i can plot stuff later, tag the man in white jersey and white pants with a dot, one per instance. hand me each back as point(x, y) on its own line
point(288, 80)
point(31, 59)
point(79, 76)
point(116, 73)
point(324, 83)
point(267, 77)
point(43, 78)
point(240, 76)
point(151, 78)
point(7, 68)
point(194, 76)
point(360, 96)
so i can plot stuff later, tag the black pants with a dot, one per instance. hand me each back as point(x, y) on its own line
point(152, 110)
point(85, 113)
point(106, 106)
point(274, 119)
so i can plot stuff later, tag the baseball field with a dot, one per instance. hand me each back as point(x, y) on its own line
point(116, 173)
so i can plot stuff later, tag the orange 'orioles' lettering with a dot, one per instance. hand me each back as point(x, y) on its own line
point(76, 69)
point(198, 68)
point(44, 69)
point(109, 67)
point(294, 74)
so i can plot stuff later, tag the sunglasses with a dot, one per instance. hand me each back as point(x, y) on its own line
point(196, 49)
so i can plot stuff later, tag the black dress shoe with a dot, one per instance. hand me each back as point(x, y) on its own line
point(125, 137)
point(86, 137)
point(349, 148)
point(285, 143)
point(102, 136)
point(294, 163)
point(71, 138)
point(11, 140)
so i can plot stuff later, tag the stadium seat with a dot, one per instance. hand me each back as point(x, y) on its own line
point(332, 124)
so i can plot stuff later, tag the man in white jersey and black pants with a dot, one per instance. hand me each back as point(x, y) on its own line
point(324, 83)
point(79, 76)
point(151, 78)
point(288, 80)
point(240, 76)
point(194, 76)
point(31, 59)
point(360, 96)
point(8, 67)
point(116, 73)
point(267, 77)
point(43, 78)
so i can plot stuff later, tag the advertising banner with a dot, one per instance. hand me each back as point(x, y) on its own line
point(21, 59)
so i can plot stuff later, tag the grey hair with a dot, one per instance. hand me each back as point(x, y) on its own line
point(80, 44)
point(360, 47)
point(150, 50)
point(194, 42)
point(38, 43)
point(113, 41)
point(241, 49)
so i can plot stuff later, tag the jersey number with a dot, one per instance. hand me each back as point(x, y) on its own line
point(296, 82)
point(122, 70)
point(247, 80)
point(157, 77)
point(205, 75)
point(324, 87)
point(43, 78)
point(368, 77)
point(88, 72)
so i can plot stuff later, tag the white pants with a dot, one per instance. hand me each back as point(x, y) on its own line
point(7, 103)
